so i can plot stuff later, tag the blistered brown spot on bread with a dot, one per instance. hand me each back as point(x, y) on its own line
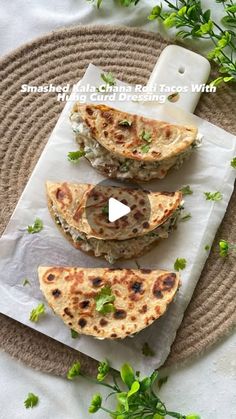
point(168, 193)
point(113, 335)
point(120, 314)
point(84, 304)
point(50, 277)
point(103, 322)
point(136, 287)
point(143, 309)
point(56, 293)
point(89, 110)
point(51, 274)
point(63, 194)
point(82, 322)
point(133, 318)
point(107, 116)
point(145, 271)
point(105, 133)
point(68, 312)
point(168, 132)
point(97, 282)
point(165, 282)
point(146, 224)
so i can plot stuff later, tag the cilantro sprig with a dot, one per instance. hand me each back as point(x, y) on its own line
point(75, 156)
point(225, 248)
point(233, 163)
point(74, 334)
point(36, 227)
point(213, 196)
point(104, 301)
point(109, 80)
point(186, 190)
point(31, 400)
point(192, 21)
point(37, 312)
point(180, 264)
point(146, 136)
point(135, 396)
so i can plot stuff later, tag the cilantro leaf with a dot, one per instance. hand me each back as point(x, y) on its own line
point(37, 312)
point(104, 301)
point(105, 210)
point(146, 136)
point(74, 371)
point(31, 400)
point(36, 227)
point(74, 334)
point(26, 282)
point(180, 264)
point(213, 196)
point(103, 370)
point(224, 248)
point(186, 190)
point(125, 123)
point(74, 156)
point(233, 163)
point(96, 403)
point(108, 78)
point(186, 217)
point(145, 148)
point(146, 350)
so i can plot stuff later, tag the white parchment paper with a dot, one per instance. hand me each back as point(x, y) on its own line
point(21, 253)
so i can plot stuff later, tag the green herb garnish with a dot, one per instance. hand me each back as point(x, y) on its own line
point(213, 196)
point(135, 398)
point(180, 264)
point(207, 247)
point(26, 282)
point(37, 312)
point(31, 401)
point(233, 163)
point(36, 227)
point(186, 190)
point(105, 210)
point(125, 123)
point(74, 334)
point(146, 350)
point(146, 136)
point(186, 217)
point(109, 80)
point(74, 371)
point(74, 156)
point(145, 148)
point(224, 248)
point(103, 370)
point(104, 301)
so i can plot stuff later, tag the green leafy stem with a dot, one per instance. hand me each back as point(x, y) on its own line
point(135, 396)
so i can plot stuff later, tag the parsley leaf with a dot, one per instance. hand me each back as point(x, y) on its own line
point(103, 370)
point(31, 401)
point(104, 301)
point(37, 312)
point(186, 217)
point(224, 248)
point(125, 123)
point(146, 350)
point(74, 334)
point(74, 371)
point(145, 148)
point(233, 163)
point(26, 282)
point(36, 227)
point(74, 156)
point(180, 264)
point(213, 196)
point(146, 136)
point(108, 78)
point(186, 190)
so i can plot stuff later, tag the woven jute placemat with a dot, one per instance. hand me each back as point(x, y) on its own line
point(26, 123)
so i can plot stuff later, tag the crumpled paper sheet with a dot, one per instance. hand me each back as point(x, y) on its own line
point(21, 253)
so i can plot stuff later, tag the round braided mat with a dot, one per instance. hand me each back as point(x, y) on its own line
point(26, 123)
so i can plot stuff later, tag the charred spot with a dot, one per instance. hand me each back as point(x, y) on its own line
point(138, 215)
point(120, 314)
point(146, 271)
point(101, 231)
point(104, 125)
point(133, 207)
point(50, 277)
point(56, 293)
point(135, 230)
point(156, 153)
point(124, 201)
point(168, 193)
point(113, 335)
point(84, 304)
point(136, 287)
point(157, 293)
point(107, 116)
point(143, 309)
point(95, 328)
point(89, 110)
point(103, 322)
point(82, 322)
point(146, 224)
point(70, 324)
point(134, 151)
point(133, 318)
point(169, 281)
point(119, 137)
point(168, 132)
point(142, 202)
point(105, 133)
point(97, 282)
point(68, 312)
point(63, 193)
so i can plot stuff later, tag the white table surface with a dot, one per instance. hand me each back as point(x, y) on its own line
point(205, 386)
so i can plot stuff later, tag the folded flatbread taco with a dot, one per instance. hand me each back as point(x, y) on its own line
point(108, 303)
point(128, 146)
point(81, 213)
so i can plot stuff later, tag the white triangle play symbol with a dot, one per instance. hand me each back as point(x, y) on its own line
point(116, 209)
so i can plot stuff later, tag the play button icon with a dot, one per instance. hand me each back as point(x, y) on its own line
point(116, 210)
